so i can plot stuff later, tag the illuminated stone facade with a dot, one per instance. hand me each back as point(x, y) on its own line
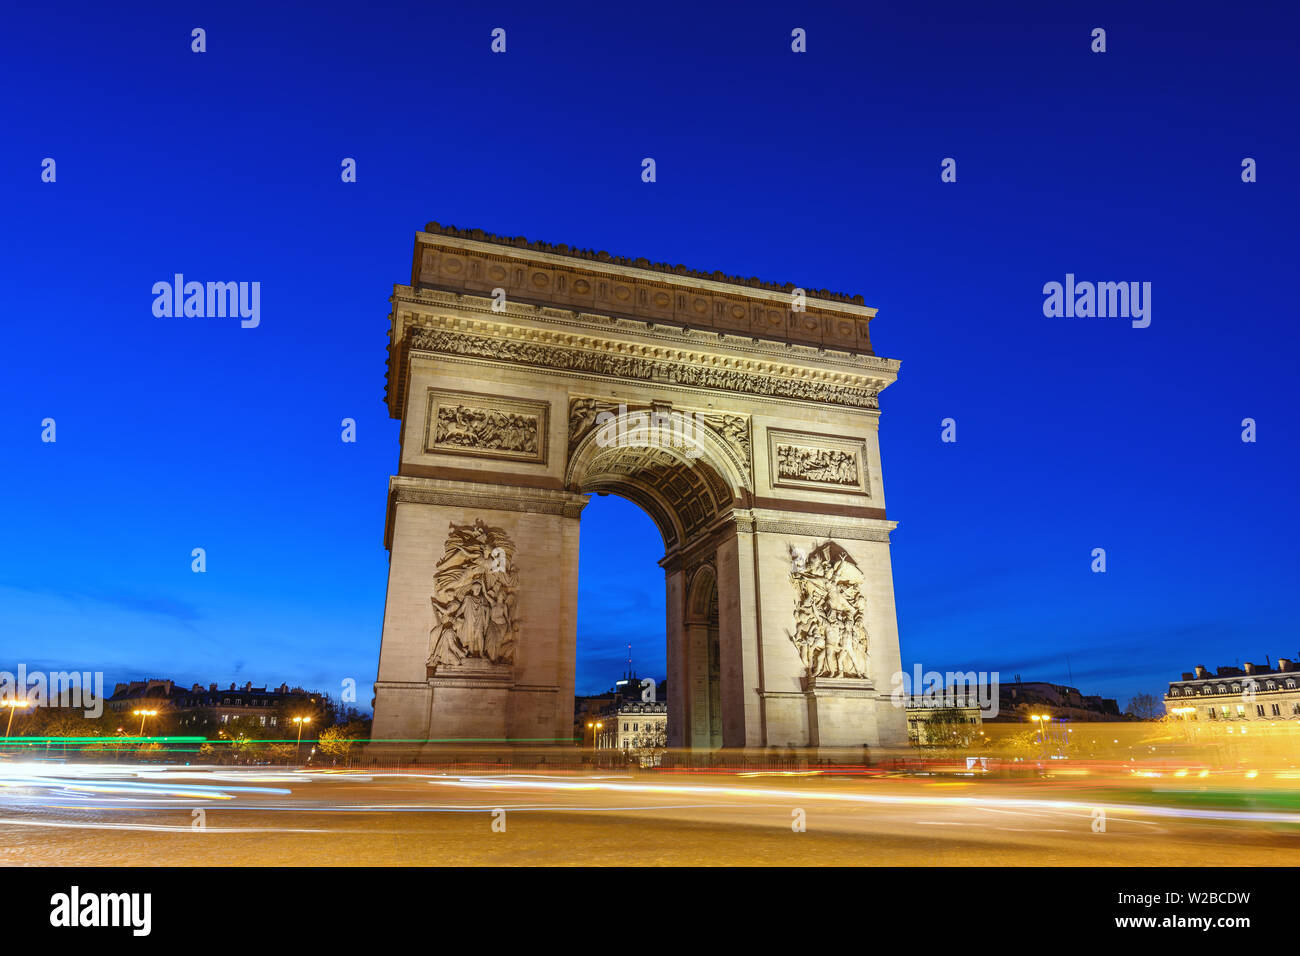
point(1254, 692)
point(740, 415)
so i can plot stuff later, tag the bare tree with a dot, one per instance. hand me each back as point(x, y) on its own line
point(649, 744)
point(1145, 707)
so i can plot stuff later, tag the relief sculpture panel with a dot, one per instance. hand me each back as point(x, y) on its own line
point(475, 591)
point(818, 462)
point(829, 465)
point(830, 612)
point(485, 426)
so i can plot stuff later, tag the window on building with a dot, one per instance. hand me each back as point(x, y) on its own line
point(1259, 710)
point(1277, 711)
point(1241, 710)
point(1271, 685)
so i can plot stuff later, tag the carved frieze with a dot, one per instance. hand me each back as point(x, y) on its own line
point(485, 426)
point(817, 462)
point(830, 612)
point(832, 466)
point(475, 591)
point(637, 367)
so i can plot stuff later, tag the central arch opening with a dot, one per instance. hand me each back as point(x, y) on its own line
point(688, 497)
point(620, 596)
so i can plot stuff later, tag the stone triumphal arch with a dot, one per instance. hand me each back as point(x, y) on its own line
point(742, 416)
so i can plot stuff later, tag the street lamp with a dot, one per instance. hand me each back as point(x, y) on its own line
point(300, 721)
point(1042, 721)
point(13, 705)
point(142, 714)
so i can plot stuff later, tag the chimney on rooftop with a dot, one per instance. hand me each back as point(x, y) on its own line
point(1284, 663)
point(1200, 671)
point(1249, 667)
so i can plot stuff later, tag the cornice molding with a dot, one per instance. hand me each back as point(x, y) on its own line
point(860, 529)
point(670, 333)
point(586, 354)
point(478, 495)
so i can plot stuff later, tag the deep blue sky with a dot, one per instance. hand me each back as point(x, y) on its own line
point(820, 168)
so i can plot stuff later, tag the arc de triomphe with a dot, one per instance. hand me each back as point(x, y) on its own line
point(741, 415)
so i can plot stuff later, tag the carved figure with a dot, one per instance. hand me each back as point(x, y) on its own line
point(469, 427)
point(833, 466)
point(475, 588)
point(830, 613)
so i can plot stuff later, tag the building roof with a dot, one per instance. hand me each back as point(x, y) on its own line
point(520, 242)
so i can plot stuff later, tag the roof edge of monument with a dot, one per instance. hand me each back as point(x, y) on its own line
point(592, 255)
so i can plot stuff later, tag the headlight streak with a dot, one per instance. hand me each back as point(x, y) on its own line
point(1017, 803)
point(152, 827)
point(46, 791)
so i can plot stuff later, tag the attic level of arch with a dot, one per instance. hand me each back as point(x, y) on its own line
point(640, 293)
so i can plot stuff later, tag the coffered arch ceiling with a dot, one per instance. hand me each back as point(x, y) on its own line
point(683, 496)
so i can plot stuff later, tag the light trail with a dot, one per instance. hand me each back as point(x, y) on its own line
point(148, 827)
point(1018, 803)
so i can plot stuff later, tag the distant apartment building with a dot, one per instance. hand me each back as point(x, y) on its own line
point(197, 705)
point(944, 719)
point(1267, 692)
point(634, 724)
point(620, 719)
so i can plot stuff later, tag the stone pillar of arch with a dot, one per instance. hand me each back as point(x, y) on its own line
point(527, 377)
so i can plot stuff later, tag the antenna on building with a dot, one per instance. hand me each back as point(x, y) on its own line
point(1069, 670)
